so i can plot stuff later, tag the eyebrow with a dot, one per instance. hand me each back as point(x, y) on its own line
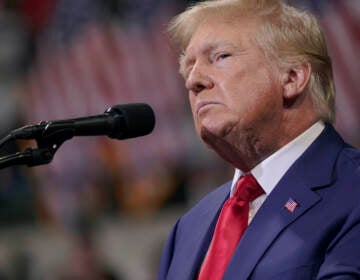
point(184, 61)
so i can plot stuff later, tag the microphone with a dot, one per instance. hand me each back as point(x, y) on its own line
point(119, 122)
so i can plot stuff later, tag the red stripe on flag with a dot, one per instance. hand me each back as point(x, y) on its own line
point(344, 52)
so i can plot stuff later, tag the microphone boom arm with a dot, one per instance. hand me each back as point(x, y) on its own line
point(43, 154)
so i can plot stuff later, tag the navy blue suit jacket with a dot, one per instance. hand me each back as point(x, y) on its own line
point(319, 240)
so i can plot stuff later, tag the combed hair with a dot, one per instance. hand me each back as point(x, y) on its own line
point(288, 37)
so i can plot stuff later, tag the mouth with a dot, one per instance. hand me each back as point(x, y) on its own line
point(203, 105)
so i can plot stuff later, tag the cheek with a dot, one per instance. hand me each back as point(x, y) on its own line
point(256, 98)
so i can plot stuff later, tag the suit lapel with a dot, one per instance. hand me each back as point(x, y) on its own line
point(195, 237)
point(273, 218)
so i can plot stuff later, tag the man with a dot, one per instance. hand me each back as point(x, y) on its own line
point(261, 90)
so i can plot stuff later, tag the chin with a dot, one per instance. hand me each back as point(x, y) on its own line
point(220, 127)
point(214, 133)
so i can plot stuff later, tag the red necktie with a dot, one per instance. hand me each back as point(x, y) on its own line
point(232, 223)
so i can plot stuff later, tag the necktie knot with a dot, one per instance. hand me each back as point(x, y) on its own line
point(247, 188)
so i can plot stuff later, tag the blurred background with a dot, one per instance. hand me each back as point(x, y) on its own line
point(103, 208)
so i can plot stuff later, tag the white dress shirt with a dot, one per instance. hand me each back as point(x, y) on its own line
point(269, 172)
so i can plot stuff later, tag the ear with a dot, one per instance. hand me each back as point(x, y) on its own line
point(296, 79)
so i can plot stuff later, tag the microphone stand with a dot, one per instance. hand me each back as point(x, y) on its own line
point(43, 154)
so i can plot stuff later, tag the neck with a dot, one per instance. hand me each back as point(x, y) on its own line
point(249, 152)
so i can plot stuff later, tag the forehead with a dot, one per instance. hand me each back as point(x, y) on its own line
point(212, 32)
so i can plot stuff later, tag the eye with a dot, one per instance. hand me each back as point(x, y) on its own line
point(223, 56)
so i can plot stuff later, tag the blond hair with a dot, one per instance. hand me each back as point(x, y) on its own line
point(288, 37)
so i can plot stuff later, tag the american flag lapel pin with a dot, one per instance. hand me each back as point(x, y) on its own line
point(290, 205)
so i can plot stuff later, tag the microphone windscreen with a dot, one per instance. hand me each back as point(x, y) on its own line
point(138, 119)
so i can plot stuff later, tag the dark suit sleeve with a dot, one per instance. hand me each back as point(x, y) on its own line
point(342, 261)
point(167, 254)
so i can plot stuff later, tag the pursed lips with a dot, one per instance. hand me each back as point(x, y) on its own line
point(204, 104)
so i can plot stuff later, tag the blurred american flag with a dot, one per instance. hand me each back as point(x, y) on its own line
point(107, 64)
point(340, 20)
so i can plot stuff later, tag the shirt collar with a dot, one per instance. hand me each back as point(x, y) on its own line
point(266, 174)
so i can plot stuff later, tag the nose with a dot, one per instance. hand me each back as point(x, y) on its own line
point(198, 79)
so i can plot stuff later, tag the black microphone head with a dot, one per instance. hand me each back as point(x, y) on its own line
point(132, 120)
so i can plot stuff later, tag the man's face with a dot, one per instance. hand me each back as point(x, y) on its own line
point(235, 94)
